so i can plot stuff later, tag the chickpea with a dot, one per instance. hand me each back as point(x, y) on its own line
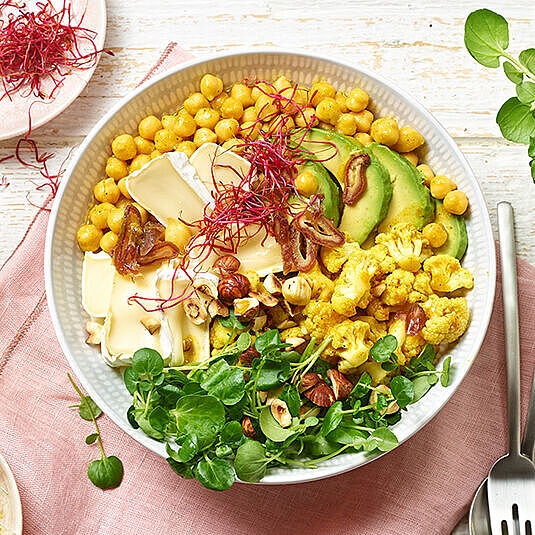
point(211, 86)
point(144, 146)
point(249, 114)
point(169, 121)
point(122, 187)
point(109, 241)
point(342, 101)
point(115, 219)
point(88, 237)
point(385, 131)
point(155, 154)
point(123, 147)
point(142, 212)
point(232, 108)
point(195, 102)
point(265, 107)
point(456, 202)
point(363, 138)
point(204, 135)
point(98, 215)
point(232, 144)
point(250, 130)
point(116, 168)
point(207, 118)
point(328, 110)
point(226, 129)
point(177, 233)
point(357, 100)
point(412, 157)
point(107, 191)
point(364, 120)
point(187, 147)
point(284, 123)
point(321, 90)
point(409, 139)
point(306, 117)
point(427, 172)
point(326, 126)
point(138, 162)
point(440, 186)
point(260, 89)
point(346, 124)
point(242, 93)
point(218, 101)
point(306, 183)
point(149, 126)
point(436, 234)
point(185, 125)
point(282, 83)
point(166, 140)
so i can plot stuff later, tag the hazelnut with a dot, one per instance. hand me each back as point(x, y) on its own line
point(296, 291)
point(187, 344)
point(309, 380)
point(246, 307)
point(341, 385)
point(247, 428)
point(195, 310)
point(378, 290)
point(150, 323)
point(259, 322)
point(321, 395)
point(217, 308)
point(246, 358)
point(281, 413)
point(206, 286)
point(273, 285)
point(95, 331)
point(227, 264)
point(234, 286)
point(392, 406)
point(265, 298)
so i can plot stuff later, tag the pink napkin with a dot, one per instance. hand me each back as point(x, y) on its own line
point(421, 488)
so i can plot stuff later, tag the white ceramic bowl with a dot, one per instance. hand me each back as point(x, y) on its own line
point(63, 261)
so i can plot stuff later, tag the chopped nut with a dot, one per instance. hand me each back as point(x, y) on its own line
point(247, 428)
point(232, 287)
point(321, 395)
point(309, 411)
point(263, 395)
point(259, 322)
point(206, 286)
point(95, 331)
point(150, 323)
point(187, 344)
point(392, 406)
point(246, 358)
point(273, 285)
point(309, 380)
point(296, 291)
point(285, 324)
point(341, 385)
point(265, 298)
point(295, 342)
point(281, 413)
point(195, 310)
point(378, 290)
point(227, 264)
point(217, 308)
point(246, 307)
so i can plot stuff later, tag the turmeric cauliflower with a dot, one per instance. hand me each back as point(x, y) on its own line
point(398, 328)
point(447, 319)
point(349, 339)
point(447, 275)
point(377, 328)
point(320, 319)
point(398, 287)
point(385, 262)
point(406, 245)
point(220, 336)
point(421, 289)
point(334, 259)
point(413, 346)
point(322, 286)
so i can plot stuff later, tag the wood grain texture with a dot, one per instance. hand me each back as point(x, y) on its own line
point(418, 45)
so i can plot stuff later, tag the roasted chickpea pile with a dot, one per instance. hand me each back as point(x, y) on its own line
point(216, 114)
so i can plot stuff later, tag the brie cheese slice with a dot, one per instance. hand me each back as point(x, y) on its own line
point(97, 278)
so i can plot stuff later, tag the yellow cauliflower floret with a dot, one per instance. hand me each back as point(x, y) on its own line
point(334, 259)
point(406, 245)
point(320, 319)
point(322, 286)
point(377, 328)
point(413, 346)
point(349, 339)
point(352, 287)
point(385, 262)
point(377, 309)
point(220, 335)
point(397, 327)
point(399, 285)
point(447, 319)
point(292, 332)
point(447, 275)
point(421, 289)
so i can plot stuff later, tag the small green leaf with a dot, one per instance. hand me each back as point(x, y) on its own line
point(106, 473)
point(512, 72)
point(445, 375)
point(182, 469)
point(361, 388)
point(527, 58)
point(224, 383)
point(147, 363)
point(159, 418)
point(271, 373)
point(346, 433)
point(421, 387)
point(90, 439)
point(531, 148)
point(383, 348)
point(232, 433)
point(384, 439)
point(291, 396)
point(424, 361)
point(516, 121)
point(131, 417)
point(272, 429)
point(532, 166)
point(333, 417)
point(402, 390)
point(187, 448)
point(215, 474)
point(486, 36)
point(251, 461)
point(84, 411)
point(525, 92)
point(231, 322)
point(319, 446)
point(223, 451)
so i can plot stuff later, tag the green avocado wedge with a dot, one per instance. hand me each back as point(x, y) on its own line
point(411, 200)
point(457, 241)
point(331, 197)
point(334, 151)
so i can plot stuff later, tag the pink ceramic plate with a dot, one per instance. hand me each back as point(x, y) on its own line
point(14, 112)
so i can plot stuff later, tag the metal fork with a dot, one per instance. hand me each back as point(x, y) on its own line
point(511, 482)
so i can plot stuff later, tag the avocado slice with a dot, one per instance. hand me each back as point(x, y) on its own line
point(411, 200)
point(332, 200)
point(457, 241)
point(333, 151)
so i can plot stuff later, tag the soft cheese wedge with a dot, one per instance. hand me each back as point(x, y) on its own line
point(97, 279)
point(168, 187)
point(264, 258)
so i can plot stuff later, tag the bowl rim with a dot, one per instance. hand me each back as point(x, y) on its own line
point(310, 475)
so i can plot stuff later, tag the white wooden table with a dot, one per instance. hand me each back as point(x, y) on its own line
point(418, 44)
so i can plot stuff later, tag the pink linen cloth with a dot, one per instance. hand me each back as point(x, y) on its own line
point(421, 488)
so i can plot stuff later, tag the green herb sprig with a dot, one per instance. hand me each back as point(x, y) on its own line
point(486, 36)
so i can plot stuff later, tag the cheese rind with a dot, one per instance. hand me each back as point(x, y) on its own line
point(98, 272)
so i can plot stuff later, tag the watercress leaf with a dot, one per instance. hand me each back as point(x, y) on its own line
point(232, 433)
point(214, 474)
point(130, 379)
point(392, 419)
point(318, 446)
point(169, 395)
point(332, 419)
point(432, 379)
point(144, 386)
point(223, 382)
point(445, 375)
point(486, 36)
point(271, 373)
point(269, 340)
point(231, 322)
point(250, 462)
point(516, 121)
point(106, 473)
point(383, 348)
point(223, 451)
point(525, 92)
point(242, 343)
point(311, 421)
point(291, 396)
point(147, 363)
point(182, 469)
point(527, 58)
point(290, 356)
point(159, 418)
point(402, 390)
point(130, 416)
point(531, 148)
point(384, 439)
point(346, 433)
point(143, 422)
point(90, 439)
point(84, 411)
point(192, 388)
point(187, 448)
point(512, 72)
point(421, 387)
point(235, 412)
point(382, 403)
point(424, 361)
point(389, 366)
point(532, 165)
point(202, 416)
point(361, 388)
point(272, 429)
point(175, 377)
